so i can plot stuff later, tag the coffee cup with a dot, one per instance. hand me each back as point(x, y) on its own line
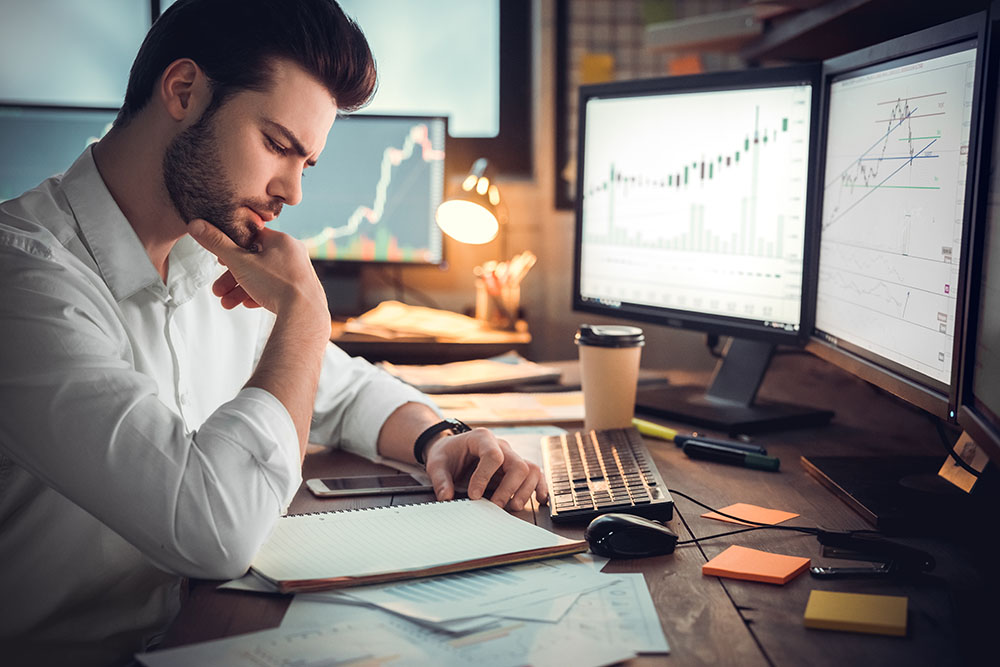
point(609, 372)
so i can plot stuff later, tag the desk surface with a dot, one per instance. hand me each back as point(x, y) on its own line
point(715, 621)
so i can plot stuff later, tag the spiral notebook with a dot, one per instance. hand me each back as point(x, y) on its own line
point(327, 550)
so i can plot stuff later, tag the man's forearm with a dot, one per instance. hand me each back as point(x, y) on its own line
point(290, 364)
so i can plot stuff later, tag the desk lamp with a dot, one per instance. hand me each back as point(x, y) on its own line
point(471, 213)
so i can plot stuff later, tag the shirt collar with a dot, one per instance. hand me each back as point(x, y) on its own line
point(115, 247)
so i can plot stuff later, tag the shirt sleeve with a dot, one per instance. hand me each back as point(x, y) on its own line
point(78, 416)
point(353, 402)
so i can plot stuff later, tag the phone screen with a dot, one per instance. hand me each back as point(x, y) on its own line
point(373, 482)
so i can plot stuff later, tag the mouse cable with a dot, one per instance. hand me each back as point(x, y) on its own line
point(757, 525)
point(901, 558)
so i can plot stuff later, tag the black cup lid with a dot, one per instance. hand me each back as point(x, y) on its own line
point(610, 335)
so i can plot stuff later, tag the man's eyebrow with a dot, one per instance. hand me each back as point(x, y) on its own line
point(290, 138)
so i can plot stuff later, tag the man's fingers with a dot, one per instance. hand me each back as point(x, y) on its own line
point(211, 238)
point(515, 471)
point(521, 497)
point(224, 284)
point(444, 486)
point(490, 459)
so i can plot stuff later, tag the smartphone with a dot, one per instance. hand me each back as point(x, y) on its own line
point(368, 485)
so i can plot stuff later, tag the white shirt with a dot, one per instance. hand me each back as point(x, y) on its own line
point(130, 454)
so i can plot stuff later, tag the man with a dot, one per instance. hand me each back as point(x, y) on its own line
point(156, 413)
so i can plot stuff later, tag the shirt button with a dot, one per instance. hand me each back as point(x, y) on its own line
point(184, 400)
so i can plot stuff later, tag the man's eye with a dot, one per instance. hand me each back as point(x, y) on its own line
point(276, 147)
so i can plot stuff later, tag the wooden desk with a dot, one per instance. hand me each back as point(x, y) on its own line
point(712, 621)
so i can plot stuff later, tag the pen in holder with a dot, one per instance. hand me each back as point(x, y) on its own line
point(498, 290)
point(497, 306)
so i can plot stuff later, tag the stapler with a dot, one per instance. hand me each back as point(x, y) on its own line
point(890, 559)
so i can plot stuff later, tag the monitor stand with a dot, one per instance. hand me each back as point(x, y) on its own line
point(903, 495)
point(728, 404)
point(343, 286)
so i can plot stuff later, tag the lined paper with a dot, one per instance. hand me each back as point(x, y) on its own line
point(401, 538)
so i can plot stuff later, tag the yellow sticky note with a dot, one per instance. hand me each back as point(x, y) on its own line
point(751, 513)
point(742, 563)
point(857, 612)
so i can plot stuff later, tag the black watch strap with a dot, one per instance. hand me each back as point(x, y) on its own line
point(454, 425)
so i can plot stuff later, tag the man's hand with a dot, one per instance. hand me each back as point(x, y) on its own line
point(449, 458)
point(278, 275)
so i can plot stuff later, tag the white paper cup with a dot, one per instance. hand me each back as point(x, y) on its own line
point(609, 372)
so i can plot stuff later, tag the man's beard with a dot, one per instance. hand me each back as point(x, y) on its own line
point(196, 182)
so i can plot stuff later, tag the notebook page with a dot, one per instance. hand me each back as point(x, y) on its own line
point(394, 539)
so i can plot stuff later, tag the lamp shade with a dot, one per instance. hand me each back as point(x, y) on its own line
point(469, 215)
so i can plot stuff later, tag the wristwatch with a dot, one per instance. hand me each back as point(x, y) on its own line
point(424, 438)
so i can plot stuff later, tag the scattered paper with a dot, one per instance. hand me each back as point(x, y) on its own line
point(518, 408)
point(490, 591)
point(501, 372)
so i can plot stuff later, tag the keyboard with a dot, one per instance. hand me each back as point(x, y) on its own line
point(595, 472)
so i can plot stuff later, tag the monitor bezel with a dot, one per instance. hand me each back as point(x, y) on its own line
point(349, 264)
point(973, 416)
point(911, 386)
point(806, 74)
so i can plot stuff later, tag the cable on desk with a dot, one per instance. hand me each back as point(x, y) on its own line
point(948, 447)
point(756, 524)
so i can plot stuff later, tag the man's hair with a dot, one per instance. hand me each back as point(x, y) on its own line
point(236, 43)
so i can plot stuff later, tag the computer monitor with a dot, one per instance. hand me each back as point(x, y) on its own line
point(691, 206)
point(895, 180)
point(894, 188)
point(373, 193)
point(39, 141)
point(979, 394)
point(370, 200)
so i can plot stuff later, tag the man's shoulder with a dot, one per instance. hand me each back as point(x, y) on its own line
point(38, 222)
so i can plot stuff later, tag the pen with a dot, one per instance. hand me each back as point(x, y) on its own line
point(664, 433)
point(728, 444)
point(701, 450)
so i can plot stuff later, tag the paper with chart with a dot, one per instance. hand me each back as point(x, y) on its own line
point(621, 615)
point(360, 636)
point(491, 591)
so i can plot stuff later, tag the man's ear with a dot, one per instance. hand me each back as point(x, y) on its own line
point(184, 89)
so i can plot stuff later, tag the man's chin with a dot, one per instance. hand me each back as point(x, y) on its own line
point(239, 233)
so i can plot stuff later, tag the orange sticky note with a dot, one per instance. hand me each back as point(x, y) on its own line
point(743, 563)
point(751, 513)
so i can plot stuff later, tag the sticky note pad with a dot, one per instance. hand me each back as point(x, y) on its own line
point(751, 513)
point(743, 563)
point(857, 612)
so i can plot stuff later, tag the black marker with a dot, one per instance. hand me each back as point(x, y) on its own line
point(708, 452)
point(728, 444)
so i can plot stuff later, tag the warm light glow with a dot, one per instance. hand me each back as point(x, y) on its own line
point(470, 182)
point(467, 222)
point(494, 195)
point(483, 185)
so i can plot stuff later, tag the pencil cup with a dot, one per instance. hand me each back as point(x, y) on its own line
point(498, 308)
point(609, 372)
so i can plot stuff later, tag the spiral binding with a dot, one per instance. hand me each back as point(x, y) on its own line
point(379, 507)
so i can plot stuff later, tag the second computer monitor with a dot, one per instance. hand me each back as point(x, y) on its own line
point(894, 181)
point(691, 212)
point(374, 191)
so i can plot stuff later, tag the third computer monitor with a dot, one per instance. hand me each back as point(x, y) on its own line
point(979, 395)
point(692, 200)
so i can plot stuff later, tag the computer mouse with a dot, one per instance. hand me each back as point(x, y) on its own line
point(626, 536)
